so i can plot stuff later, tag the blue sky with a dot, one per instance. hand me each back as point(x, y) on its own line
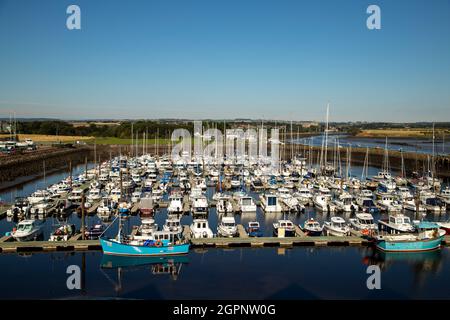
point(226, 59)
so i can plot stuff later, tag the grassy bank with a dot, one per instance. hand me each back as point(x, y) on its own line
point(403, 133)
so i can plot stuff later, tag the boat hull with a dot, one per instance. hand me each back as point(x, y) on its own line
point(409, 246)
point(114, 248)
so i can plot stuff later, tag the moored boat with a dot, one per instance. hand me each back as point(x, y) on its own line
point(428, 238)
point(312, 228)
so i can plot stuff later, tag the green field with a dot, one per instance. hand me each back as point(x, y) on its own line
point(120, 141)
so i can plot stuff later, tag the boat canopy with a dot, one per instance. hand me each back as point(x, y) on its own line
point(427, 225)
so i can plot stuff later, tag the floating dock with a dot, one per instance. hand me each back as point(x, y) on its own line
point(8, 245)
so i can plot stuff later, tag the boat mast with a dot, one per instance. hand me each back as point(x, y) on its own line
point(326, 135)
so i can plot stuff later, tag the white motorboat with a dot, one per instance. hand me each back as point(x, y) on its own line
point(200, 205)
point(312, 228)
point(200, 229)
point(246, 204)
point(387, 202)
point(336, 227)
point(410, 205)
point(27, 230)
point(270, 203)
point(363, 221)
point(395, 224)
point(227, 227)
point(175, 204)
point(344, 203)
point(104, 210)
point(224, 205)
point(146, 230)
point(324, 203)
point(94, 195)
point(291, 203)
point(173, 224)
point(286, 225)
point(305, 196)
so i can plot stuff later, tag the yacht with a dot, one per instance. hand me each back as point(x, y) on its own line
point(323, 203)
point(305, 196)
point(224, 205)
point(367, 204)
point(94, 195)
point(227, 227)
point(200, 205)
point(104, 210)
point(410, 205)
point(312, 228)
point(336, 227)
point(146, 230)
point(173, 225)
point(27, 230)
point(270, 203)
point(286, 225)
point(175, 204)
point(344, 203)
point(200, 229)
point(395, 224)
point(291, 203)
point(246, 204)
point(387, 202)
point(363, 221)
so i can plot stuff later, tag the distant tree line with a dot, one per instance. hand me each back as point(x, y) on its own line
point(163, 129)
point(160, 129)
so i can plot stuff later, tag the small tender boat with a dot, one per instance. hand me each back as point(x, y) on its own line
point(63, 233)
point(428, 238)
point(94, 232)
point(336, 227)
point(253, 229)
point(287, 225)
point(200, 229)
point(312, 228)
point(27, 230)
point(227, 227)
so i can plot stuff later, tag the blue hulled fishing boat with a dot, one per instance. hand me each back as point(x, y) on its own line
point(154, 243)
point(429, 237)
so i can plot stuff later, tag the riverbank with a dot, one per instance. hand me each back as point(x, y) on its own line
point(414, 162)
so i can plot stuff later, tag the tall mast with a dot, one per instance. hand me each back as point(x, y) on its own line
point(326, 135)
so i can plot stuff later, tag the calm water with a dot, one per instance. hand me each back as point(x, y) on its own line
point(241, 273)
point(407, 145)
point(266, 273)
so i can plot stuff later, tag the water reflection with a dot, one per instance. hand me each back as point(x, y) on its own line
point(421, 263)
point(170, 266)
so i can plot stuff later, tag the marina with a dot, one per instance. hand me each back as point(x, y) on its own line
point(200, 151)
